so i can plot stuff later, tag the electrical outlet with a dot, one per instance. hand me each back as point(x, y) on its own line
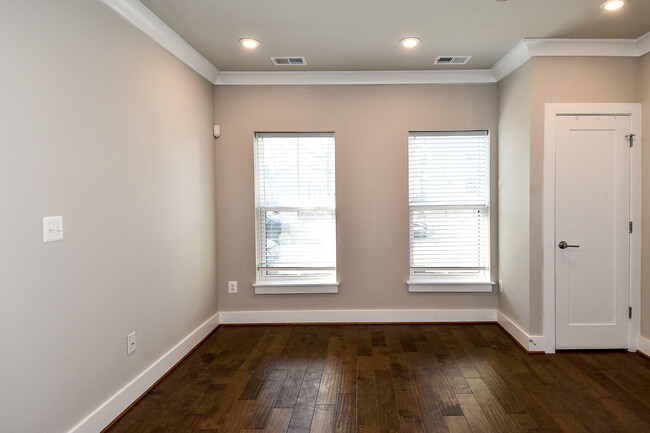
point(130, 343)
point(500, 286)
point(232, 286)
point(52, 228)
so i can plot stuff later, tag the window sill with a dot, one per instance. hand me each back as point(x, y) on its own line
point(295, 287)
point(449, 286)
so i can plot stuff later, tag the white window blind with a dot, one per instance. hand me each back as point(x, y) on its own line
point(295, 206)
point(449, 204)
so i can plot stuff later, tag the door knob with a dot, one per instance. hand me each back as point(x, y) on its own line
point(563, 245)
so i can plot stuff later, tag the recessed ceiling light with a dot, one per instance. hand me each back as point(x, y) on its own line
point(409, 42)
point(249, 43)
point(611, 5)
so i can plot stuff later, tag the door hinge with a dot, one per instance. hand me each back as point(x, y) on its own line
point(631, 138)
point(629, 312)
point(631, 226)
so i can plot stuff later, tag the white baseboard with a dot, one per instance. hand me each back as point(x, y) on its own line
point(114, 406)
point(356, 316)
point(644, 346)
point(530, 343)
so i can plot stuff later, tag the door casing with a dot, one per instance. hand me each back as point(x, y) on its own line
point(551, 111)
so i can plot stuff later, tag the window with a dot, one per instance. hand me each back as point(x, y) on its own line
point(295, 209)
point(449, 198)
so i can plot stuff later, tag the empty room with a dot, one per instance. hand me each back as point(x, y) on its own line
point(310, 216)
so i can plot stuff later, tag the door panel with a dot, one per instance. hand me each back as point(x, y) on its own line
point(592, 213)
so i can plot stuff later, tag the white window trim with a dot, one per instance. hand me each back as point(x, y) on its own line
point(428, 284)
point(289, 286)
point(449, 286)
point(295, 287)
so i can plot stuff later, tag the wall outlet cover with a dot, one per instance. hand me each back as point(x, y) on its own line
point(52, 228)
point(130, 343)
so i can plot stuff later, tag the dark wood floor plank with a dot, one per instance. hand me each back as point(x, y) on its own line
point(407, 339)
point(348, 379)
point(474, 415)
point(393, 343)
point(279, 420)
point(384, 388)
point(363, 341)
point(328, 389)
point(491, 407)
point(409, 413)
point(457, 424)
point(367, 421)
point(237, 417)
point(626, 418)
point(289, 392)
point(456, 380)
point(569, 423)
point(380, 359)
point(226, 400)
point(391, 379)
point(432, 418)
point(388, 420)
point(399, 372)
point(524, 423)
point(446, 399)
point(303, 412)
point(499, 387)
point(324, 416)
point(256, 382)
point(345, 419)
point(261, 410)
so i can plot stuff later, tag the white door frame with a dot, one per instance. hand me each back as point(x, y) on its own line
point(551, 111)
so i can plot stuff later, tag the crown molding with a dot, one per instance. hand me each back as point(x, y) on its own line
point(145, 20)
point(643, 44)
point(137, 14)
point(353, 77)
point(527, 48)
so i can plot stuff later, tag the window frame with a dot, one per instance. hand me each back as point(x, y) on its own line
point(288, 284)
point(450, 283)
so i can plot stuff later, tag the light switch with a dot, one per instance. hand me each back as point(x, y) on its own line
point(52, 228)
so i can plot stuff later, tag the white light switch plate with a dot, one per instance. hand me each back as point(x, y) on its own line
point(130, 343)
point(52, 228)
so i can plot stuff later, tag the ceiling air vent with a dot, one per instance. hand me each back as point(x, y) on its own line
point(289, 61)
point(452, 60)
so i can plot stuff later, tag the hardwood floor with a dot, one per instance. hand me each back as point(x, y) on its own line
point(391, 379)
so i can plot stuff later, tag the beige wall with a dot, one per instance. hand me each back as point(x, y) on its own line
point(514, 195)
point(567, 79)
point(645, 253)
point(104, 127)
point(522, 96)
point(371, 125)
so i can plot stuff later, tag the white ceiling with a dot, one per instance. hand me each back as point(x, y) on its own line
point(363, 35)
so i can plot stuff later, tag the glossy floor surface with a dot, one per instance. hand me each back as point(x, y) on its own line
point(392, 378)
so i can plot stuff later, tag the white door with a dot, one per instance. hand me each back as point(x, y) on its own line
point(592, 253)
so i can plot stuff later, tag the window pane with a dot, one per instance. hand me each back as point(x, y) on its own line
point(445, 238)
point(449, 203)
point(295, 201)
point(297, 238)
point(448, 170)
point(295, 171)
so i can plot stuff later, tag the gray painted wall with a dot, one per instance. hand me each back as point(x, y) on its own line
point(102, 126)
point(371, 125)
point(567, 79)
point(545, 80)
point(645, 252)
point(514, 196)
